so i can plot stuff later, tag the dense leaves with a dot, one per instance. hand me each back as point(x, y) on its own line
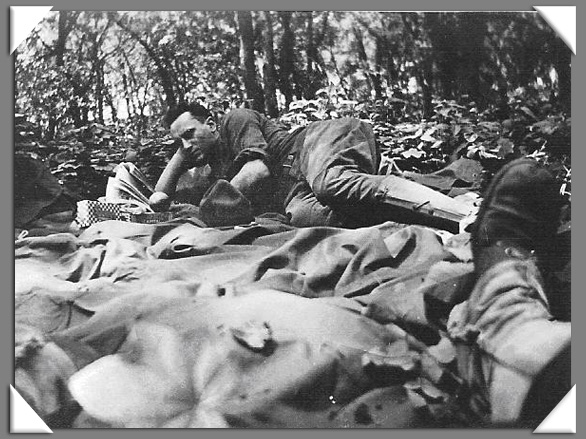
point(91, 86)
point(84, 157)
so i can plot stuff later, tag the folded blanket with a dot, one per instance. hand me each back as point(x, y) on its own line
point(264, 326)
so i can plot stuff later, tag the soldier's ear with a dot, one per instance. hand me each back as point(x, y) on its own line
point(210, 122)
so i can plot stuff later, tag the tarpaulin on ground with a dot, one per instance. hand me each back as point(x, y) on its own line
point(262, 326)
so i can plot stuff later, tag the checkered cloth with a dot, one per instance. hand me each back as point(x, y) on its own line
point(90, 212)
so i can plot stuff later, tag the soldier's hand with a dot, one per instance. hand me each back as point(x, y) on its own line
point(159, 201)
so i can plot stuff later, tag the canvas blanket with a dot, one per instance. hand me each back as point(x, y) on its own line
point(262, 326)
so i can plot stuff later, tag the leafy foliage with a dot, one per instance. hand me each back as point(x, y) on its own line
point(82, 158)
point(91, 86)
point(453, 131)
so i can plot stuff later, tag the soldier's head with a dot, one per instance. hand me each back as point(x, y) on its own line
point(196, 127)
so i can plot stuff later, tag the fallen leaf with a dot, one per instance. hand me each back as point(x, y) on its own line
point(414, 384)
point(412, 152)
point(444, 351)
point(253, 335)
point(427, 136)
point(528, 112)
point(416, 399)
point(431, 392)
point(471, 137)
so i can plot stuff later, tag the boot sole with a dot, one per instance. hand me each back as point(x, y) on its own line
point(490, 192)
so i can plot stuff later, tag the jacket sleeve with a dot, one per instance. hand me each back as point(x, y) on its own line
point(242, 130)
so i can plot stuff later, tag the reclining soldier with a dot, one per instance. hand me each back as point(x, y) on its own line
point(323, 174)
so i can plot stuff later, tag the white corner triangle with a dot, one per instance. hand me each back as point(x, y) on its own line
point(23, 20)
point(23, 419)
point(563, 20)
point(562, 418)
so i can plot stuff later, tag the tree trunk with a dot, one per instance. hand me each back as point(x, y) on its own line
point(426, 86)
point(269, 73)
point(99, 72)
point(286, 65)
point(380, 51)
point(166, 79)
point(311, 52)
point(423, 69)
point(51, 126)
point(85, 115)
point(472, 32)
point(310, 48)
point(363, 58)
point(61, 38)
point(129, 83)
point(64, 28)
point(253, 90)
point(75, 113)
point(440, 28)
point(318, 41)
point(126, 95)
point(110, 102)
point(65, 24)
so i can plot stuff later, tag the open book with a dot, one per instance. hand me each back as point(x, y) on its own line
point(129, 187)
point(126, 199)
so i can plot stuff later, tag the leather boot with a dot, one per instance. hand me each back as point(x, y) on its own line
point(518, 217)
point(512, 354)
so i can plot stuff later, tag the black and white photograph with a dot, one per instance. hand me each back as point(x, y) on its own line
point(282, 219)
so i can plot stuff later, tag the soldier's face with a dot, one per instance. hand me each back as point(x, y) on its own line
point(199, 139)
